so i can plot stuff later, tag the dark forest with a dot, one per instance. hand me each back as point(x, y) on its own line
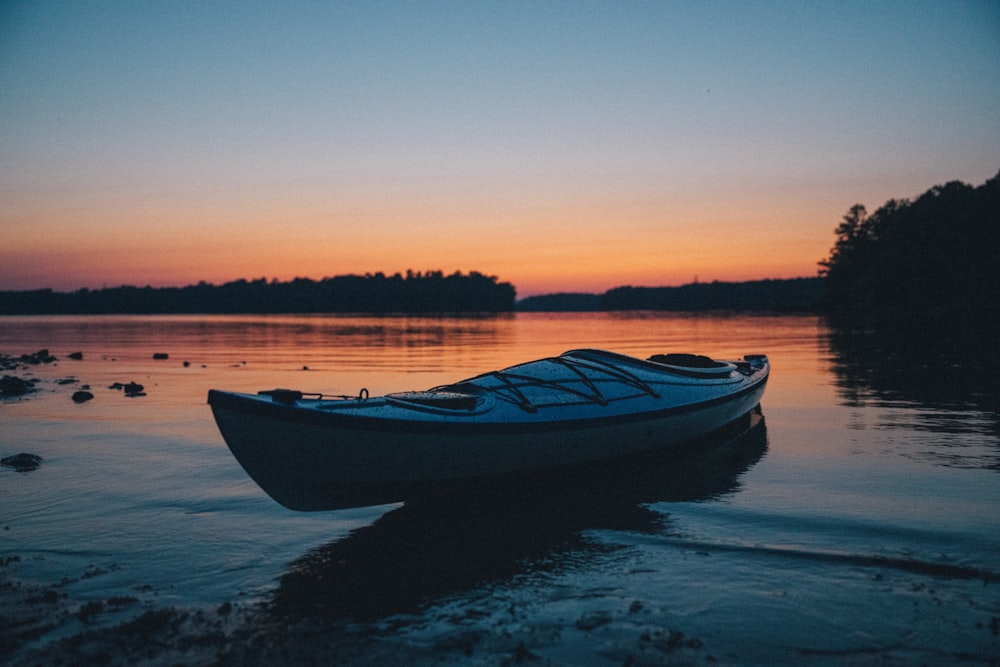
point(418, 292)
point(920, 270)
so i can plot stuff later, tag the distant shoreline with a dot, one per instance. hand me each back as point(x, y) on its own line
point(785, 295)
point(414, 293)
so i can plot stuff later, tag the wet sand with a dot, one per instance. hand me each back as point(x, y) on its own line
point(226, 635)
point(234, 634)
point(608, 633)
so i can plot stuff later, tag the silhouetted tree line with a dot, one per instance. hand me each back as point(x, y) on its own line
point(793, 295)
point(925, 270)
point(430, 291)
point(796, 294)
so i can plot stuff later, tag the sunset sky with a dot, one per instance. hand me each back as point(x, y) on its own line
point(561, 146)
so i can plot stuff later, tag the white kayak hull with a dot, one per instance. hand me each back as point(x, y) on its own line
point(316, 454)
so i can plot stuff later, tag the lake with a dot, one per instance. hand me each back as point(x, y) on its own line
point(857, 522)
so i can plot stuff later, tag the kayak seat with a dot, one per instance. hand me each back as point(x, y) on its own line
point(687, 360)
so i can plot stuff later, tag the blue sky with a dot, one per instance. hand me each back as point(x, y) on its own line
point(555, 144)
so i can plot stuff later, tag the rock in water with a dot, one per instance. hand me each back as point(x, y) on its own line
point(133, 389)
point(22, 462)
point(40, 357)
point(11, 385)
point(82, 396)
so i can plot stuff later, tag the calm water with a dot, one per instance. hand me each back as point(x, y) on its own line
point(857, 524)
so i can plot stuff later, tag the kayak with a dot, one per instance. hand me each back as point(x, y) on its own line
point(312, 452)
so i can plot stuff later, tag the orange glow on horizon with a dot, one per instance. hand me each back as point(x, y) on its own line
point(572, 244)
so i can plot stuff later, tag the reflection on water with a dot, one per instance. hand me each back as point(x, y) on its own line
point(950, 405)
point(432, 547)
point(870, 370)
point(279, 339)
